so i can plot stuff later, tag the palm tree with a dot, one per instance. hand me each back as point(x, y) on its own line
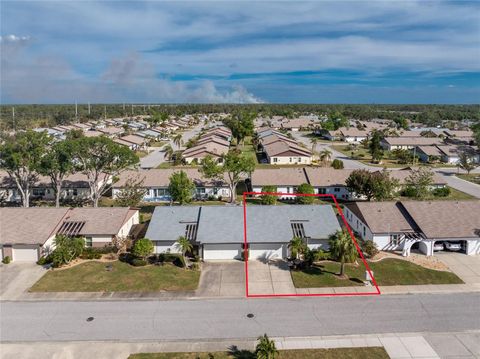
point(296, 246)
point(185, 246)
point(265, 348)
point(314, 143)
point(177, 140)
point(342, 249)
point(168, 152)
point(325, 155)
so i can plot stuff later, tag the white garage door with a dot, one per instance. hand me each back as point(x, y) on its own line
point(221, 251)
point(25, 254)
point(1, 253)
point(266, 251)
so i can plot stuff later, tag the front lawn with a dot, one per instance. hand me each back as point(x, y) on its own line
point(473, 177)
point(347, 353)
point(388, 271)
point(123, 277)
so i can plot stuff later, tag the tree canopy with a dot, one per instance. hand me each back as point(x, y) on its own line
point(181, 188)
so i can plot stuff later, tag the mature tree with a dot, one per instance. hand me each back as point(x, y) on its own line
point(74, 134)
point(101, 159)
point(325, 156)
point(419, 182)
point(181, 188)
point(66, 249)
point(297, 247)
point(235, 167)
point(177, 140)
point(265, 349)
point(307, 189)
point(21, 156)
point(142, 248)
point(185, 246)
point(375, 148)
point(120, 243)
point(476, 134)
point(132, 192)
point(58, 164)
point(378, 185)
point(269, 199)
point(342, 249)
point(168, 152)
point(403, 156)
point(241, 124)
point(465, 162)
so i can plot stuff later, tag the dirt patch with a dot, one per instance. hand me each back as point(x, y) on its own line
point(430, 262)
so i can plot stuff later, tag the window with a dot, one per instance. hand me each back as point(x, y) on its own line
point(299, 159)
point(215, 191)
point(291, 159)
point(395, 239)
point(75, 192)
point(38, 191)
point(298, 229)
point(191, 231)
point(336, 189)
point(275, 159)
point(364, 232)
point(88, 241)
point(201, 190)
point(322, 190)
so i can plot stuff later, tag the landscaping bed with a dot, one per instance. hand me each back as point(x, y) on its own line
point(387, 272)
point(347, 353)
point(94, 276)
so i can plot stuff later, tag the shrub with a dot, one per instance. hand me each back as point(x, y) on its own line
point(369, 248)
point(409, 191)
point(138, 262)
point(195, 266)
point(42, 261)
point(6, 260)
point(142, 248)
point(179, 261)
point(305, 188)
point(320, 255)
point(441, 192)
point(91, 253)
point(337, 164)
point(126, 257)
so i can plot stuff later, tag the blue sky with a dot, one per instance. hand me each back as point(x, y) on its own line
point(241, 52)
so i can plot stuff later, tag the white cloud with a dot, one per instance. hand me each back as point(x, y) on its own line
point(14, 38)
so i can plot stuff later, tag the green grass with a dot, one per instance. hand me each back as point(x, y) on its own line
point(386, 272)
point(346, 353)
point(362, 155)
point(92, 277)
point(473, 177)
point(455, 194)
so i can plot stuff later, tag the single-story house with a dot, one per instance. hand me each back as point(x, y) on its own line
point(111, 131)
point(399, 226)
point(286, 180)
point(26, 234)
point(133, 142)
point(284, 152)
point(156, 182)
point(298, 124)
point(407, 143)
point(199, 152)
point(217, 232)
point(353, 135)
point(327, 180)
point(75, 187)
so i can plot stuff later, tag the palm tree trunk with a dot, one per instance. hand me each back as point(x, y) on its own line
point(342, 269)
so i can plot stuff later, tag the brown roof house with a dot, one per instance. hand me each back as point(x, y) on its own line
point(26, 234)
point(399, 226)
point(156, 181)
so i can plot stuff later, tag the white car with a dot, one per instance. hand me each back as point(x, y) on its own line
point(453, 246)
point(438, 246)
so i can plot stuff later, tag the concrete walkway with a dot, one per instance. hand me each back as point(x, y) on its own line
point(398, 346)
point(268, 278)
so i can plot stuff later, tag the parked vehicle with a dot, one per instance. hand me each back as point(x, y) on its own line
point(438, 246)
point(453, 246)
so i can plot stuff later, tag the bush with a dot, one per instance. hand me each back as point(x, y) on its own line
point(409, 191)
point(369, 248)
point(126, 257)
point(6, 260)
point(337, 164)
point(195, 266)
point(44, 260)
point(142, 248)
point(305, 188)
point(320, 255)
point(138, 262)
point(441, 192)
point(179, 261)
point(91, 253)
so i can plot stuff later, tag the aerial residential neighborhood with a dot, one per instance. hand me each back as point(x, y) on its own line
point(238, 179)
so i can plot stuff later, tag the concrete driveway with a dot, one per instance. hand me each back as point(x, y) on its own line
point(222, 279)
point(271, 277)
point(466, 267)
point(17, 278)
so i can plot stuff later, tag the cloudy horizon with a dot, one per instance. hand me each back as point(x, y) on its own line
point(240, 52)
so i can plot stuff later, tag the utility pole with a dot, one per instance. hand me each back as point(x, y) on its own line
point(88, 108)
point(76, 111)
point(13, 118)
point(132, 109)
point(105, 111)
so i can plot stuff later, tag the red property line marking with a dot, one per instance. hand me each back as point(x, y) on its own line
point(245, 249)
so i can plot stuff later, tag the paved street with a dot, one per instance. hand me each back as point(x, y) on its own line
point(458, 183)
point(157, 157)
point(227, 318)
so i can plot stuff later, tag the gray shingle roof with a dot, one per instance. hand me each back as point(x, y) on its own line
point(224, 224)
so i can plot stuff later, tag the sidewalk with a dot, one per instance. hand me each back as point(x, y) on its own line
point(398, 346)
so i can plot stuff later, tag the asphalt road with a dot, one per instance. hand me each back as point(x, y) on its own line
point(227, 319)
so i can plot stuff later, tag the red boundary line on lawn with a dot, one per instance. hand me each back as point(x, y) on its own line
point(245, 249)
